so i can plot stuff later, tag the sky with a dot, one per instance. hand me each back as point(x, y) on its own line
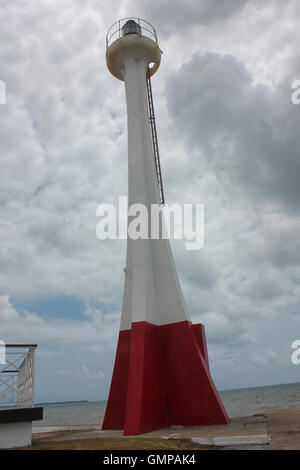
point(229, 139)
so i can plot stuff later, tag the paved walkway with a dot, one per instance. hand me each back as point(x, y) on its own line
point(284, 429)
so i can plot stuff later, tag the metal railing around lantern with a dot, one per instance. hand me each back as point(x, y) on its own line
point(115, 31)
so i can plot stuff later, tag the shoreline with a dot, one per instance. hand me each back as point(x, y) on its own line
point(277, 429)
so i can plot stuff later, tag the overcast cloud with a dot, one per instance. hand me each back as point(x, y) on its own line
point(229, 138)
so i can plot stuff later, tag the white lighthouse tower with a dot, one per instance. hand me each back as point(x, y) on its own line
point(161, 374)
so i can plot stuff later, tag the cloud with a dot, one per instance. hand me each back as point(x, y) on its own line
point(244, 129)
point(7, 312)
point(67, 342)
point(182, 15)
point(92, 376)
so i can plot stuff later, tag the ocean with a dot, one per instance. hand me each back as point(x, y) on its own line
point(238, 402)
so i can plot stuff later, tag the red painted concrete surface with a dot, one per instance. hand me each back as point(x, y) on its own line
point(161, 378)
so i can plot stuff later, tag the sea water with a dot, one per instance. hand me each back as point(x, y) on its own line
point(237, 402)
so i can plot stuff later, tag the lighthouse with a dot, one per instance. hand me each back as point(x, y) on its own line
point(161, 374)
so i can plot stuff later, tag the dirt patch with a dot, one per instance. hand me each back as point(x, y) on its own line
point(117, 444)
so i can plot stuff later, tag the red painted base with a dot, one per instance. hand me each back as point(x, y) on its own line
point(161, 378)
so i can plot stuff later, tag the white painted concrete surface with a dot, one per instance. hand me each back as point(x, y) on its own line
point(72, 427)
point(15, 435)
point(152, 291)
point(233, 441)
point(223, 441)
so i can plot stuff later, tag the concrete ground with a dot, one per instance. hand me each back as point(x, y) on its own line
point(283, 428)
point(276, 429)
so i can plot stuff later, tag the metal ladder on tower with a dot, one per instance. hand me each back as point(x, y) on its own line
point(154, 138)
